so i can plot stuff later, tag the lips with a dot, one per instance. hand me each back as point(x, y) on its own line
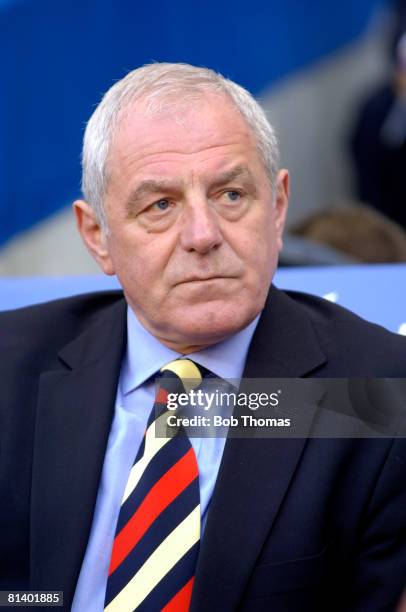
point(194, 279)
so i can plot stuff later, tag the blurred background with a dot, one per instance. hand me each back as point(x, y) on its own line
point(331, 75)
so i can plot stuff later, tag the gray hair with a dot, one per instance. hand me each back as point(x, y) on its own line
point(157, 84)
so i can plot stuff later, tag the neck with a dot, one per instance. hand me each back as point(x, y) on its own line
point(183, 345)
point(184, 349)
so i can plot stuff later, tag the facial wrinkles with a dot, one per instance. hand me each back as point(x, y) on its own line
point(132, 163)
point(221, 261)
point(173, 138)
point(174, 145)
point(181, 173)
point(181, 265)
point(193, 158)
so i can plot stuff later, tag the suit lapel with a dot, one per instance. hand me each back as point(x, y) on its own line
point(74, 413)
point(255, 473)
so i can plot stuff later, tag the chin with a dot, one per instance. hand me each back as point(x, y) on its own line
point(214, 322)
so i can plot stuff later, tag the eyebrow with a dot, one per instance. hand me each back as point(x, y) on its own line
point(151, 186)
point(145, 188)
point(231, 175)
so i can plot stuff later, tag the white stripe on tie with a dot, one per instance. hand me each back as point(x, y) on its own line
point(152, 446)
point(162, 560)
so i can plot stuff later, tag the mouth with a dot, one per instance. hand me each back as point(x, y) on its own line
point(203, 279)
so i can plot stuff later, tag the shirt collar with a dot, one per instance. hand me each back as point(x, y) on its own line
point(145, 354)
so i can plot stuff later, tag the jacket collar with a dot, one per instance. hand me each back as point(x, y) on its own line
point(285, 343)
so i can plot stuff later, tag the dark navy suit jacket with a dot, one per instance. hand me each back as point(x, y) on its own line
point(294, 524)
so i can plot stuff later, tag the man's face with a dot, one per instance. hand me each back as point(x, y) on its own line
point(194, 232)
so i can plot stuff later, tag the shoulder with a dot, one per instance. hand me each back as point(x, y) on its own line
point(355, 346)
point(33, 329)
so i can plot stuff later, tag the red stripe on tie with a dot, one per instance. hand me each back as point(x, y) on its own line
point(166, 489)
point(181, 601)
point(161, 396)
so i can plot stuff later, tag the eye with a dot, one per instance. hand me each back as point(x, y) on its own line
point(161, 205)
point(159, 208)
point(232, 195)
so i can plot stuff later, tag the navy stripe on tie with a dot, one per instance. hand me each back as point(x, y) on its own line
point(173, 451)
point(174, 580)
point(166, 522)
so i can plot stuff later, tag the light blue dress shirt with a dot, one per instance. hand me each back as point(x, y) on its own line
point(145, 355)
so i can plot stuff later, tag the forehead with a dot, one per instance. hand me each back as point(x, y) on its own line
point(204, 131)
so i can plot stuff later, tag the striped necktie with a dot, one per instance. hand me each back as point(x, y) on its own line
point(158, 530)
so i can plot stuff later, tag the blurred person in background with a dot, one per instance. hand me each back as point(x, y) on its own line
point(356, 230)
point(378, 142)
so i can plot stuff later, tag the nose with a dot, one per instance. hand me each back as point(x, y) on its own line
point(200, 229)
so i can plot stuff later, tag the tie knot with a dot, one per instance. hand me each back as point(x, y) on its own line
point(185, 370)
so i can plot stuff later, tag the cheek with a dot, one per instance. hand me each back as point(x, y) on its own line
point(259, 246)
point(139, 261)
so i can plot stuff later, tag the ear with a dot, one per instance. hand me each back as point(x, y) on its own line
point(282, 193)
point(93, 235)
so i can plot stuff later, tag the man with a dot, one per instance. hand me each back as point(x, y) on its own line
point(185, 203)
